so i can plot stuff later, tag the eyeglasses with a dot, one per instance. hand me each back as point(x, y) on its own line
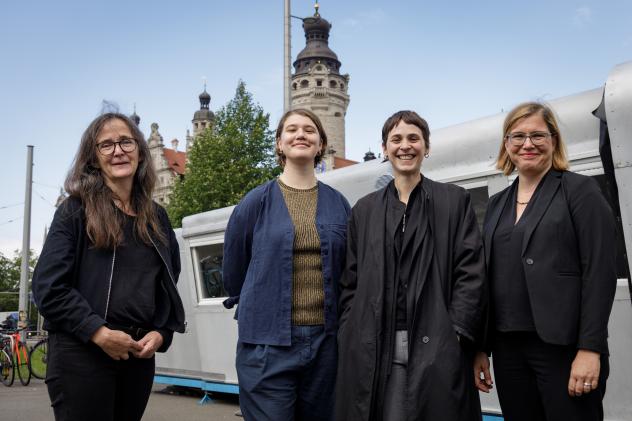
point(537, 138)
point(107, 147)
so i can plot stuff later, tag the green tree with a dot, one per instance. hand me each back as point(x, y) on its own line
point(227, 160)
point(10, 280)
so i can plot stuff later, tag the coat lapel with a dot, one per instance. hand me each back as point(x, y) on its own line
point(377, 243)
point(424, 239)
point(551, 184)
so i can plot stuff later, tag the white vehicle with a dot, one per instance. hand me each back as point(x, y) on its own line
point(463, 154)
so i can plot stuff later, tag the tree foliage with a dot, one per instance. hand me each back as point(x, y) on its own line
point(10, 280)
point(227, 160)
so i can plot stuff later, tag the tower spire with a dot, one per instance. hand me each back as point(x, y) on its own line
point(316, 7)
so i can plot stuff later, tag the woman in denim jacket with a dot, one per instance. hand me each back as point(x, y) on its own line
point(284, 252)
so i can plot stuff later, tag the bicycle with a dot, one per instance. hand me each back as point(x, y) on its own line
point(38, 358)
point(7, 374)
point(20, 354)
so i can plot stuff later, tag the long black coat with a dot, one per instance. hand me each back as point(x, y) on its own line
point(450, 296)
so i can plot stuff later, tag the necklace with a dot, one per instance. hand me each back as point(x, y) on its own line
point(521, 203)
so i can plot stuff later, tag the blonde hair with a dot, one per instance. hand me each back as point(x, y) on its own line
point(524, 110)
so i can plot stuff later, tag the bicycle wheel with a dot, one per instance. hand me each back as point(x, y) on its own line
point(38, 358)
point(6, 368)
point(21, 363)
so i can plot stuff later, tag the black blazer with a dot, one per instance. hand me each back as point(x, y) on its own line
point(568, 257)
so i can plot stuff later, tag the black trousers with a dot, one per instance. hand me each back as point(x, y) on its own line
point(532, 380)
point(84, 383)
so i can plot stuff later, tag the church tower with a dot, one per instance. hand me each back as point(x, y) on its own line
point(202, 118)
point(317, 84)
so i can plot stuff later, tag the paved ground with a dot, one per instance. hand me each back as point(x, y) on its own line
point(30, 403)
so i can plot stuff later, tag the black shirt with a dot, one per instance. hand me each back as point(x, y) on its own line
point(512, 308)
point(137, 269)
point(406, 219)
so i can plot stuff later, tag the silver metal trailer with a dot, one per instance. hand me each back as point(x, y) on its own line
point(463, 154)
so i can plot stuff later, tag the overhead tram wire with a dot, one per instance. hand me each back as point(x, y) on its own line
point(46, 185)
point(11, 206)
point(43, 198)
point(11, 220)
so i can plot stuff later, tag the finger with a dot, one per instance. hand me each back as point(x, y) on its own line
point(579, 387)
point(125, 356)
point(480, 385)
point(488, 377)
point(133, 345)
point(571, 386)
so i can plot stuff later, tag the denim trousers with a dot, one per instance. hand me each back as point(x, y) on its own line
point(285, 383)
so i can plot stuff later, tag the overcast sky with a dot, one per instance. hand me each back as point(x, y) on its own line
point(451, 61)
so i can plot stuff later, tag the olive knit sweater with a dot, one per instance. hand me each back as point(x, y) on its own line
point(308, 295)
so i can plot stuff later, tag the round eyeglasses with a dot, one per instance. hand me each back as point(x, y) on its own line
point(107, 147)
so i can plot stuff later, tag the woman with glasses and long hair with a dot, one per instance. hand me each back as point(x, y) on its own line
point(106, 279)
point(284, 252)
point(549, 242)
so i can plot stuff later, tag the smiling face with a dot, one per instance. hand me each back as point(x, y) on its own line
point(119, 166)
point(405, 149)
point(299, 141)
point(531, 159)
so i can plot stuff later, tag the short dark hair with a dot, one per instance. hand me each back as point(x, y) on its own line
point(319, 126)
point(409, 117)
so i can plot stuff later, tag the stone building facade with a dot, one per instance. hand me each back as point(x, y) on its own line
point(170, 163)
point(317, 85)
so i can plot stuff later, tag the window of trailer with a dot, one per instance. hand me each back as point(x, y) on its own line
point(207, 262)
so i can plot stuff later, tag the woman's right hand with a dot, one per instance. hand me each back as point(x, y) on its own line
point(115, 343)
point(481, 366)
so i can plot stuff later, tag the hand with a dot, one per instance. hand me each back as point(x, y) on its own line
point(584, 373)
point(481, 366)
point(150, 343)
point(115, 343)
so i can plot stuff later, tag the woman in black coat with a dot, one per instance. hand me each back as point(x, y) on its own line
point(412, 294)
point(549, 242)
point(105, 281)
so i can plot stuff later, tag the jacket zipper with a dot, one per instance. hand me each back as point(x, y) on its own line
point(404, 220)
point(107, 302)
point(164, 262)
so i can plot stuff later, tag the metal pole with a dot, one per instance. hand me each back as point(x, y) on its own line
point(287, 52)
point(26, 243)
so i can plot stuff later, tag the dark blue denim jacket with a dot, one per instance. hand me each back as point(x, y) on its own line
point(257, 269)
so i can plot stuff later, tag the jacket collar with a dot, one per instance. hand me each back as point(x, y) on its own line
point(551, 183)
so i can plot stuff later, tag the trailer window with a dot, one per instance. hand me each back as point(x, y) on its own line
point(209, 263)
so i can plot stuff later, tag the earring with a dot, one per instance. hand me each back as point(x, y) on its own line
point(427, 155)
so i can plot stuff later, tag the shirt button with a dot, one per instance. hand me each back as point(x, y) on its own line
point(425, 339)
point(529, 261)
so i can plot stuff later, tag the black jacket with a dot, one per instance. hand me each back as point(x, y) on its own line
point(71, 282)
point(568, 258)
point(449, 298)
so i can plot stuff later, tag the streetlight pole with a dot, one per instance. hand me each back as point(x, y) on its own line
point(26, 242)
point(287, 56)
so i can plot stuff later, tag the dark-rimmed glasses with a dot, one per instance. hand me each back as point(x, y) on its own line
point(537, 138)
point(107, 147)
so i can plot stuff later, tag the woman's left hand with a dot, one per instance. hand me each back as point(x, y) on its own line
point(150, 343)
point(584, 373)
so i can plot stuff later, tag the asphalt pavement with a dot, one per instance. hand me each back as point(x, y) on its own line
point(31, 403)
